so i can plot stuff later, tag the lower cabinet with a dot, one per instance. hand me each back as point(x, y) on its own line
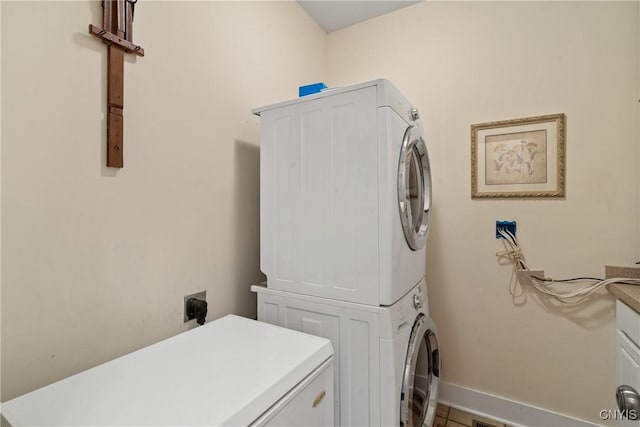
point(310, 403)
point(628, 364)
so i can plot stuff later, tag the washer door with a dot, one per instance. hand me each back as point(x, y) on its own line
point(414, 188)
point(419, 393)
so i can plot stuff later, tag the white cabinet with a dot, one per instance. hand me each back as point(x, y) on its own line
point(628, 353)
point(309, 404)
point(351, 329)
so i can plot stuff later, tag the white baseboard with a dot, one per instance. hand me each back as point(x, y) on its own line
point(504, 410)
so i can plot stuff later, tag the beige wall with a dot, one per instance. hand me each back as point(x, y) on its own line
point(464, 63)
point(96, 261)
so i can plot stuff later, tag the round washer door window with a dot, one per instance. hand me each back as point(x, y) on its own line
point(414, 188)
point(418, 400)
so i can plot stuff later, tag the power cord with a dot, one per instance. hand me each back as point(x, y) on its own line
point(513, 253)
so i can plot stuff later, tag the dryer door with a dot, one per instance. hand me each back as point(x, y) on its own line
point(419, 393)
point(414, 188)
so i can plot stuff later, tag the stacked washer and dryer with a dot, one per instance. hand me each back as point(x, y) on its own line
point(345, 195)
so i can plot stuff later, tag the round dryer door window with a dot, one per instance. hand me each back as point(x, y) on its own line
point(419, 399)
point(414, 188)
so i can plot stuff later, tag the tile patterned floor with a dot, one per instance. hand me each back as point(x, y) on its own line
point(447, 416)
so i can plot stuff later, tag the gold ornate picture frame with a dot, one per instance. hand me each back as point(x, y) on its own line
point(518, 158)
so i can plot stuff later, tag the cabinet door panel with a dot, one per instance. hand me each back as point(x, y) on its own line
point(628, 355)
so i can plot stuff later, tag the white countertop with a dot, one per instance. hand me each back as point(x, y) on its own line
point(227, 372)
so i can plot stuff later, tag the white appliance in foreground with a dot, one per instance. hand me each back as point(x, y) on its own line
point(345, 194)
point(229, 372)
point(387, 358)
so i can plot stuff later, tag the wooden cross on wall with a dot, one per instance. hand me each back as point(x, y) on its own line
point(117, 33)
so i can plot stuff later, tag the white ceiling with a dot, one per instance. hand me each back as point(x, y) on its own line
point(334, 15)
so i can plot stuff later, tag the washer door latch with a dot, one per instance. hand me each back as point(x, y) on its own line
point(417, 301)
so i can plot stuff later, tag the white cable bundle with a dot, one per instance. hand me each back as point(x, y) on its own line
point(513, 252)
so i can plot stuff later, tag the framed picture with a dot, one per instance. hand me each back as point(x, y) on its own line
point(518, 158)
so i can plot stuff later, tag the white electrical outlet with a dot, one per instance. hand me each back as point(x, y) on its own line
point(524, 276)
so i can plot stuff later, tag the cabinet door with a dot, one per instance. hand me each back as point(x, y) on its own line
point(628, 368)
point(356, 345)
point(309, 404)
